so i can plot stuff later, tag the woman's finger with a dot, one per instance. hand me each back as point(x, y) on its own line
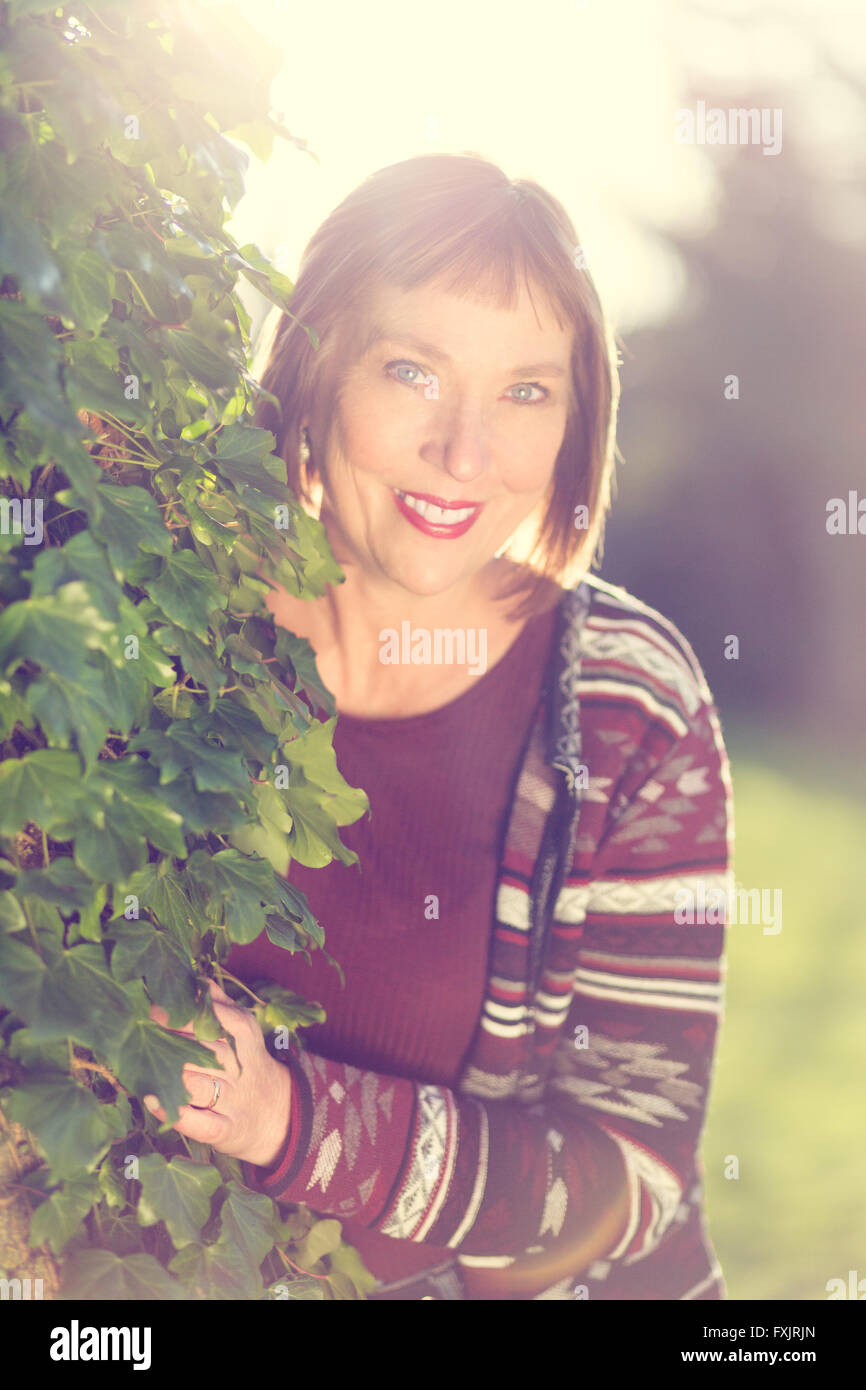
point(205, 1126)
point(200, 1085)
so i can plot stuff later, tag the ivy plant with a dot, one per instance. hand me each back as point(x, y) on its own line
point(161, 762)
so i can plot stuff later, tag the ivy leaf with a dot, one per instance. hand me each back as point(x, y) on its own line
point(130, 522)
point(212, 369)
point(130, 788)
point(179, 749)
point(113, 851)
point(39, 1057)
point(110, 1186)
point(238, 890)
point(11, 913)
point(196, 659)
point(345, 1260)
point(314, 754)
point(44, 787)
point(55, 632)
point(89, 285)
point(300, 654)
point(245, 455)
point(73, 709)
point(160, 890)
point(143, 952)
point(320, 1240)
point(314, 840)
point(60, 883)
point(81, 558)
point(247, 1223)
point(100, 1274)
point(177, 1192)
point(216, 1272)
point(149, 1061)
point(101, 391)
point(64, 993)
point(203, 812)
point(293, 903)
point(241, 726)
point(72, 1128)
point(287, 1010)
point(59, 1218)
point(187, 592)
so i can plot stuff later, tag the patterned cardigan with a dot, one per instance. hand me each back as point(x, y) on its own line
point(599, 1005)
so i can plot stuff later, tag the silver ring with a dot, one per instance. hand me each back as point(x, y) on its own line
point(216, 1094)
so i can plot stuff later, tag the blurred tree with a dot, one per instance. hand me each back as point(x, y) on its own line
point(721, 515)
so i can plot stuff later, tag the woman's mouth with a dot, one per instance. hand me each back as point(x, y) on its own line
point(435, 516)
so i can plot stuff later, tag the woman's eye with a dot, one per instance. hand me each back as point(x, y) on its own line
point(530, 386)
point(421, 379)
point(407, 367)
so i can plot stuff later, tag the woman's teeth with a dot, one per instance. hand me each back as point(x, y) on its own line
point(439, 515)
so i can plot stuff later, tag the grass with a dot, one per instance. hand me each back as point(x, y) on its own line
point(788, 1094)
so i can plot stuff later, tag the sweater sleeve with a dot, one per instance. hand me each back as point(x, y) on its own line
point(625, 1097)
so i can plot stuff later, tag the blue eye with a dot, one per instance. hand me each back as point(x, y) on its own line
point(531, 385)
point(410, 366)
point(422, 379)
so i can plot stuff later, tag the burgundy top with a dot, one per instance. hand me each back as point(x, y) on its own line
point(411, 923)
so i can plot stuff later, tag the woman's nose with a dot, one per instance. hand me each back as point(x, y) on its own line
point(463, 448)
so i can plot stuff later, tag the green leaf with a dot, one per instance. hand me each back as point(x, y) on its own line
point(179, 749)
point(72, 1128)
point(247, 1223)
point(238, 890)
point(89, 285)
point(150, 1060)
point(59, 1218)
point(113, 851)
point(300, 654)
point(64, 993)
point(60, 883)
point(187, 592)
point(245, 454)
point(196, 658)
point(346, 1260)
point(11, 913)
point(143, 952)
point(161, 891)
point(100, 1274)
point(110, 1186)
point(55, 632)
point(136, 806)
point(102, 391)
point(73, 709)
point(321, 1240)
point(216, 1272)
point(80, 558)
point(203, 364)
point(130, 523)
point(44, 787)
point(177, 1192)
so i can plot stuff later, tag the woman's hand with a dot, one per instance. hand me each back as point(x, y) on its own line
point(251, 1117)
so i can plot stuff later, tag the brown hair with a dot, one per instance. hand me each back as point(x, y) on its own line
point(459, 217)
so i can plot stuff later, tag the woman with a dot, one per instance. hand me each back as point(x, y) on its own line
point(507, 1097)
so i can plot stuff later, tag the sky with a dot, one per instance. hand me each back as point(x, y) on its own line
point(580, 95)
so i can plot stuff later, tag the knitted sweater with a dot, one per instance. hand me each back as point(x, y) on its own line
point(599, 1006)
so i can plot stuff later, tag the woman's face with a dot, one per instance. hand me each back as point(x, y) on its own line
point(443, 436)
